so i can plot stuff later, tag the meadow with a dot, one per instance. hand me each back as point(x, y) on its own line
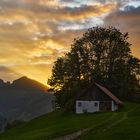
point(123, 125)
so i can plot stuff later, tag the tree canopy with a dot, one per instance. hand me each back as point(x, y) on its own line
point(101, 55)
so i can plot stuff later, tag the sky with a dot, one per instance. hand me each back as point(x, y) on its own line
point(34, 33)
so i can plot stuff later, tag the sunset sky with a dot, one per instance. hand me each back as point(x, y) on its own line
point(33, 33)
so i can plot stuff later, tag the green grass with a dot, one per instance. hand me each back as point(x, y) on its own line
point(121, 125)
point(125, 128)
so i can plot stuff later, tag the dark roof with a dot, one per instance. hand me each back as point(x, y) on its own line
point(108, 93)
point(86, 94)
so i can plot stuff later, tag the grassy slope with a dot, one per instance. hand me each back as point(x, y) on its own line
point(127, 128)
point(122, 125)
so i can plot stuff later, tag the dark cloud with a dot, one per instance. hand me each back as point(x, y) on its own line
point(128, 20)
point(35, 9)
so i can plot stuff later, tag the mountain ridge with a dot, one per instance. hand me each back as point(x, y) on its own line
point(24, 99)
point(24, 83)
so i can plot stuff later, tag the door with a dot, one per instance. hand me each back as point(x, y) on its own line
point(105, 106)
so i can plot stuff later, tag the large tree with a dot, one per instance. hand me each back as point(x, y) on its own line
point(101, 55)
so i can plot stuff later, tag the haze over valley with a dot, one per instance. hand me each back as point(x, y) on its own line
point(24, 99)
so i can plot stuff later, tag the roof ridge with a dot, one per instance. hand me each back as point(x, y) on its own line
point(108, 93)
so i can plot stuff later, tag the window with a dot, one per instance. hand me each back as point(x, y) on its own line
point(79, 104)
point(85, 111)
point(96, 104)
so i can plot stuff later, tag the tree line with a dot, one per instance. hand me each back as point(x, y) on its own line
point(101, 55)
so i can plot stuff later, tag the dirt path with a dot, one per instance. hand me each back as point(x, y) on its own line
point(75, 135)
point(124, 117)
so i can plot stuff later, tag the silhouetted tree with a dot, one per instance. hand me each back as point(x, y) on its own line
point(101, 55)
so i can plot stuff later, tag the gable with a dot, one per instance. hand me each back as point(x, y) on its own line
point(109, 94)
point(97, 92)
point(93, 93)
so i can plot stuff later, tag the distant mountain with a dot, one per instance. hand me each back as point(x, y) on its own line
point(25, 83)
point(1, 83)
point(23, 99)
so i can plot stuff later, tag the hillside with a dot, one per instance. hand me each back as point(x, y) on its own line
point(121, 125)
point(23, 104)
point(24, 99)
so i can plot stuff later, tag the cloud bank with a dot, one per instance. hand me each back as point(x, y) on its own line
point(33, 33)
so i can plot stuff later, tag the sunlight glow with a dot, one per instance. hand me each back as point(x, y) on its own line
point(34, 33)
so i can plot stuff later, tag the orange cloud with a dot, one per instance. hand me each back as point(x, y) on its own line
point(33, 33)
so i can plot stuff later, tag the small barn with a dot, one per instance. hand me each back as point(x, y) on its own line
point(96, 98)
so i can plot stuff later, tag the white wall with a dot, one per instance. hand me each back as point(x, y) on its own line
point(87, 106)
point(90, 107)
